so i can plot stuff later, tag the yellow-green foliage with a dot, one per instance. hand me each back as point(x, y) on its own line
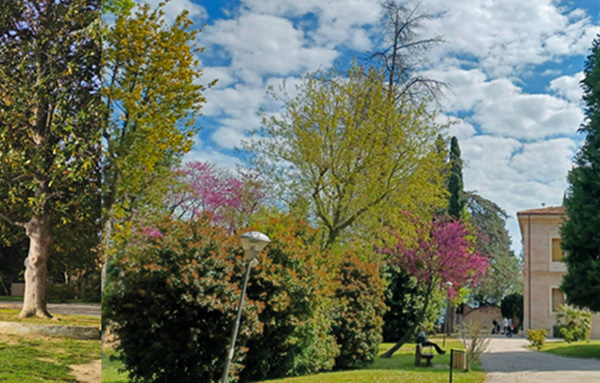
point(153, 95)
point(537, 337)
point(355, 152)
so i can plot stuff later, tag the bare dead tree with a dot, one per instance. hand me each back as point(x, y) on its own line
point(404, 52)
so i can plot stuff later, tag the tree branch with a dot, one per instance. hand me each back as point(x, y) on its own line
point(10, 221)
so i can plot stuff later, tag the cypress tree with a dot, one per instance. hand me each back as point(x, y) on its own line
point(581, 227)
point(456, 206)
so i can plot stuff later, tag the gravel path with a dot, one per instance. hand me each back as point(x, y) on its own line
point(61, 308)
point(509, 361)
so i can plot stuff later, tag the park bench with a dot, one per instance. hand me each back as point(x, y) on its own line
point(419, 354)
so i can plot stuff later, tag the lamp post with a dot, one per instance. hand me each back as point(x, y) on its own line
point(253, 243)
point(447, 327)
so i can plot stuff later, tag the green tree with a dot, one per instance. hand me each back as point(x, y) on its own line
point(457, 203)
point(152, 97)
point(49, 125)
point(579, 231)
point(404, 298)
point(350, 149)
point(504, 274)
point(512, 307)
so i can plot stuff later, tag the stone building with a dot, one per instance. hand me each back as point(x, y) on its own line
point(543, 268)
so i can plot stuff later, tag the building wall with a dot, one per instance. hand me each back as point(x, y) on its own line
point(485, 314)
point(17, 289)
point(545, 274)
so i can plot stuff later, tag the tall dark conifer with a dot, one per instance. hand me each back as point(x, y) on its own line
point(456, 206)
point(580, 231)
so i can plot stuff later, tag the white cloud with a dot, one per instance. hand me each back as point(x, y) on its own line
point(175, 8)
point(337, 20)
point(507, 35)
point(516, 176)
point(203, 153)
point(568, 87)
point(545, 161)
point(222, 74)
point(527, 116)
point(237, 108)
point(266, 45)
point(501, 108)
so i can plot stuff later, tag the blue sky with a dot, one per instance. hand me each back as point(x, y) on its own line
point(513, 68)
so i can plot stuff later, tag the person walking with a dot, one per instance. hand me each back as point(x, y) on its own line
point(509, 328)
point(505, 326)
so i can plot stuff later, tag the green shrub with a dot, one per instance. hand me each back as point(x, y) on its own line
point(60, 292)
point(294, 286)
point(172, 297)
point(537, 337)
point(573, 324)
point(358, 317)
point(89, 287)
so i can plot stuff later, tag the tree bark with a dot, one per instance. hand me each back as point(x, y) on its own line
point(36, 267)
point(408, 334)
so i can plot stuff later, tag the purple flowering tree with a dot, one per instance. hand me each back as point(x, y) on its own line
point(207, 189)
point(442, 250)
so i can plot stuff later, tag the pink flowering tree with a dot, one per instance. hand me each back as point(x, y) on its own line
point(207, 189)
point(440, 251)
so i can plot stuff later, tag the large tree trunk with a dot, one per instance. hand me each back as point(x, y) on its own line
point(40, 237)
point(408, 334)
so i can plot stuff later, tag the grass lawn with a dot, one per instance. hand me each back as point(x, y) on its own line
point(28, 359)
point(574, 349)
point(64, 320)
point(110, 369)
point(9, 298)
point(398, 368)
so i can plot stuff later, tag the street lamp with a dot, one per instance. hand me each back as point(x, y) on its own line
point(446, 324)
point(253, 243)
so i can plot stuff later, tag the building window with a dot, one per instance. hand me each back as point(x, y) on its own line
point(557, 254)
point(558, 298)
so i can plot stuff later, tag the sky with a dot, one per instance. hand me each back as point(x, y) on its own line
point(512, 68)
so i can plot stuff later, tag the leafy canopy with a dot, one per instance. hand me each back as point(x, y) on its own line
point(49, 110)
point(152, 97)
point(347, 146)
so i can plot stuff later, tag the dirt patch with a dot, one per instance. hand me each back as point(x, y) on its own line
point(87, 373)
point(47, 360)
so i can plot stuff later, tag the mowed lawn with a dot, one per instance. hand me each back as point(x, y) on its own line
point(399, 368)
point(35, 359)
point(8, 315)
point(581, 349)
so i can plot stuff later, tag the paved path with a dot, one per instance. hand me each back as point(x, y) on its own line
point(61, 308)
point(509, 361)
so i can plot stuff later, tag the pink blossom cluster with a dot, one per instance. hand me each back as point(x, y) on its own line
point(218, 192)
point(443, 251)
